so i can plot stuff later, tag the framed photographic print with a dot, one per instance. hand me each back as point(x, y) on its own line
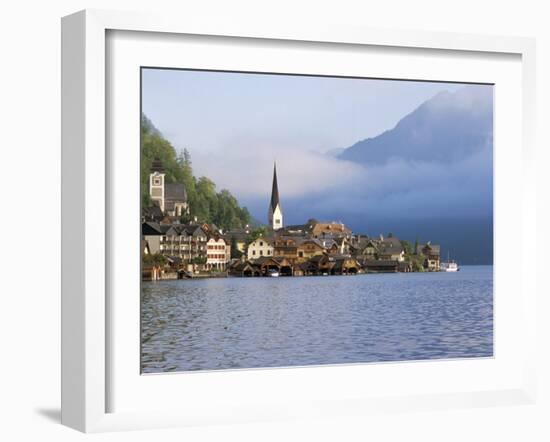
point(265, 223)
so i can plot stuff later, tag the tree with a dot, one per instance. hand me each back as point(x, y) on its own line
point(155, 259)
point(417, 263)
point(407, 247)
point(235, 252)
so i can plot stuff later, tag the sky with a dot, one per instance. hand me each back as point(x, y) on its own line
point(235, 125)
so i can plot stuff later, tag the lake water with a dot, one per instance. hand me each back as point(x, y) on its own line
point(229, 323)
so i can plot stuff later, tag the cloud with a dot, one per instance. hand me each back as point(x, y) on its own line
point(446, 172)
point(316, 185)
point(245, 167)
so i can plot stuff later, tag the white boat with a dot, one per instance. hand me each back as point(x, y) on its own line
point(449, 266)
point(273, 273)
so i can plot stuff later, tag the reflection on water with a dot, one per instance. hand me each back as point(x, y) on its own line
point(274, 322)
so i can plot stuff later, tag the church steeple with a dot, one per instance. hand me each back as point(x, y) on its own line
point(275, 212)
point(274, 189)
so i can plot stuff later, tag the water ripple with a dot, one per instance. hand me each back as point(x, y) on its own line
point(273, 322)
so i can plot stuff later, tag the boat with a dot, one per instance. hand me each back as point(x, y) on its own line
point(273, 273)
point(449, 265)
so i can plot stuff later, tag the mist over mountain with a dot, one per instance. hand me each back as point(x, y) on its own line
point(429, 178)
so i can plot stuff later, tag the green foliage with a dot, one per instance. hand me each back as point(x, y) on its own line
point(199, 260)
point(417, 263)
point(235, 252)
point(407, 247)
point(155, 259)
point(220, 208)
point(257, 233)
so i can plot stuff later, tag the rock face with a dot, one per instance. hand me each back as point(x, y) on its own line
point(449, 127)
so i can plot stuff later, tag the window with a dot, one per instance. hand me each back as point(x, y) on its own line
point(261, 253)
point(253, 252)
point(277, 221)
point(261, 243)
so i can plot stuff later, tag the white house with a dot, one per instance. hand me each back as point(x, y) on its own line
point(218, 253)
point(260, 247)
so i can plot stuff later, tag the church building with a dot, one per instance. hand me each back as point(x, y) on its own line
point(275, 212)
point(171, 198)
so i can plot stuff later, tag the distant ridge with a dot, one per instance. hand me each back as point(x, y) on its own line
point(447, 127)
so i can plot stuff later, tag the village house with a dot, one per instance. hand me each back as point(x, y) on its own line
point(345, 265)
point(151, 233)
point(187, 242)
point(390, 249)
point(266, 264)
point(380, 266)
point(260, 247)
point(365, 246)
point(308, 248)
point(286, 247)
point(431, 254)
point(217, 253)
point(245, 269)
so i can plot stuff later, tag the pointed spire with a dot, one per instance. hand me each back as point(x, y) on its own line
point(275, 189)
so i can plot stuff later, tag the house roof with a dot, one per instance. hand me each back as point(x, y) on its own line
point(435, 248)
point(174, 193)
point(332, 227)
point(315, 241)
point(238, 234)
point(242, 266)
point(263, 259)
point(152, 213)
point(298, 228)
point(390, 246)
point(319, 258)
point(151, 228)
point(217, 237)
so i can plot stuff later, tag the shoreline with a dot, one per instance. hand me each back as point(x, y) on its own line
point(224, 275)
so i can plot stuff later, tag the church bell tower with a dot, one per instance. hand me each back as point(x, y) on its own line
point(156, 183)
point(275, 212)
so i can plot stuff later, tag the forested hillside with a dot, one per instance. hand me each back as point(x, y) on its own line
point(205, 203)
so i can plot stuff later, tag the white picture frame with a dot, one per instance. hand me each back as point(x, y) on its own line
point(86, 309)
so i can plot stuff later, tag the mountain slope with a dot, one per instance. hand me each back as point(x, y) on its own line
point(446, 128)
